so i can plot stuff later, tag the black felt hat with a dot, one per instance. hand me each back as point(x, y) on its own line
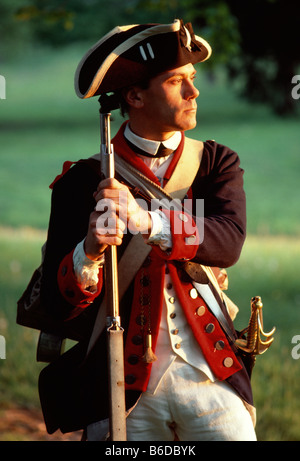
point(131, 54)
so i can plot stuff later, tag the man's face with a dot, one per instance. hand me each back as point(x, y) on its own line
point(169, 104)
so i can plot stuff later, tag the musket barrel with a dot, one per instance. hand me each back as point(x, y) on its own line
point(111, 272)
point(107, 154)
point(115, 346)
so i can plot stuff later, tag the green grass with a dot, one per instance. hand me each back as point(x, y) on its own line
point(43, 123)
point(20, 254)
point(265, 269)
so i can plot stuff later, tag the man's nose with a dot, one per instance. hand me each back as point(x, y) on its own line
point(191, 91)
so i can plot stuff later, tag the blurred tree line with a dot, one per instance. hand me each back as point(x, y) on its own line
point(256, 40)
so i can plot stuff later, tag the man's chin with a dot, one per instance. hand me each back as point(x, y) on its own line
point(189, 126)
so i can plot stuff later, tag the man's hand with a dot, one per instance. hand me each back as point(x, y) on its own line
point(115, 211)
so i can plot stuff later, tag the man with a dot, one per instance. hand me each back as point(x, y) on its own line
point(184, 377)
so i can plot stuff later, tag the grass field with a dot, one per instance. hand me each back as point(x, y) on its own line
point(42, 123)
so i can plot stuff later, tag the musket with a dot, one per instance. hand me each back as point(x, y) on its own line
point(115, 347)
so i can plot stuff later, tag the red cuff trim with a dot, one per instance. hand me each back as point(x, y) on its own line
point(185, 236)
point(69, 287)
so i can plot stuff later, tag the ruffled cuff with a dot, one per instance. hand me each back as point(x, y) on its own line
point(184, 234)
point(85, 269)
point(71, 289)
point(160, 231)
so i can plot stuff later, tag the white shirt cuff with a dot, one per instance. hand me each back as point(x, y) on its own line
point(160, 231)
point(86, 270)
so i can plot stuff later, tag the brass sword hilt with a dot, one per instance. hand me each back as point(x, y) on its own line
point(253, 344)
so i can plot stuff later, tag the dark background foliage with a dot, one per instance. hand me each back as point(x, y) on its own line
point(256, 40)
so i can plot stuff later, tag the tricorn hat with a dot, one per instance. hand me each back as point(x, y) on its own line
point(131, 54)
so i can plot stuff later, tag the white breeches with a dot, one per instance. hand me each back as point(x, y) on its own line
point(190, 407)
point(186, 406)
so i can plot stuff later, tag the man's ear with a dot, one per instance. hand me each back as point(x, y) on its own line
point(134, 97)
